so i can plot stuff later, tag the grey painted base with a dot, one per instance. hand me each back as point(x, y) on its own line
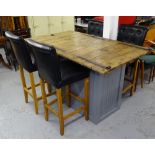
point(105, 93)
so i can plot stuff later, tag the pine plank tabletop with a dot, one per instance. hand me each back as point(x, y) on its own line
point(98, 54)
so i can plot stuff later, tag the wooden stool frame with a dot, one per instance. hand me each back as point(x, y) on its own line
point(132, 85)
point(69, 94)
point(141, 71)
point(32, 89)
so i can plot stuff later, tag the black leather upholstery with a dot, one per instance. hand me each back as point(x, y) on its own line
point(132, 34)
point(52, 69)
point(21, 51)
point(95, 28)
point(72, 72)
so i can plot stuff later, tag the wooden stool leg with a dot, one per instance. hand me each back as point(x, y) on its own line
point(34, 92)
point(21, 71)
point(138, 70)
point(60, 110)
point(68, 97)
point(151, 74)
point(142, 74)
point(86, 98)
point(42, 84)
point(134, 78)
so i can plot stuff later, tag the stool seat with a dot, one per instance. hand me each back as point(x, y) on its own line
point(148, 59)
point(32, 69)
point(71, 72)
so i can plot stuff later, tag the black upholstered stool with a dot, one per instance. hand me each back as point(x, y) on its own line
point(24, 59)
point(134, 35)
point(59, 74)
point(95, 28)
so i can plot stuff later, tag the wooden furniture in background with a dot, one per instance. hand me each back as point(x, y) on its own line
point(148, 42)
point(4, 23)
point(16, 24)
point(147, 61)
point(19, 26)
point(150, 36)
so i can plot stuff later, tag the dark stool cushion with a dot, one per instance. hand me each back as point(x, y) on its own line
point(72, 72)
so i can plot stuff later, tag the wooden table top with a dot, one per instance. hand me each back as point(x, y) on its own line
point(99, 54)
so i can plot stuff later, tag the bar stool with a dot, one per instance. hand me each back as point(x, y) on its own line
point(23, 56)
point(132, 34)
point(59, 74)
point(146, 62)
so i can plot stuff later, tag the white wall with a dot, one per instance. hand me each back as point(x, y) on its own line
point(110, 29)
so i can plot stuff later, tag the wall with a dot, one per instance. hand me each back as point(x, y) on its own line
point(46, 25)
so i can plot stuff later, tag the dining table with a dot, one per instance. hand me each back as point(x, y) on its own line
point(106, 60)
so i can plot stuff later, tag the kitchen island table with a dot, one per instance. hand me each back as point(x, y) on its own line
point(105, 58)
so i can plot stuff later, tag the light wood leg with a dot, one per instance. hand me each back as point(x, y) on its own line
point(60, 110)
point(21, 71)
point(138, 70)
point(68, 97)
point(42, 84)
point(86, 98)
point(34, 92)
point(151, 74)
point(142, 74)
point(134, 78)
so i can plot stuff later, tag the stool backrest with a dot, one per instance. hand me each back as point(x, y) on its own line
point(21, 51)
point(95, 28)
point(132, 34)
point(48, 62)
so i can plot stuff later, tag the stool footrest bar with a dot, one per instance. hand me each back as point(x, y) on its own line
point(73, 113)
